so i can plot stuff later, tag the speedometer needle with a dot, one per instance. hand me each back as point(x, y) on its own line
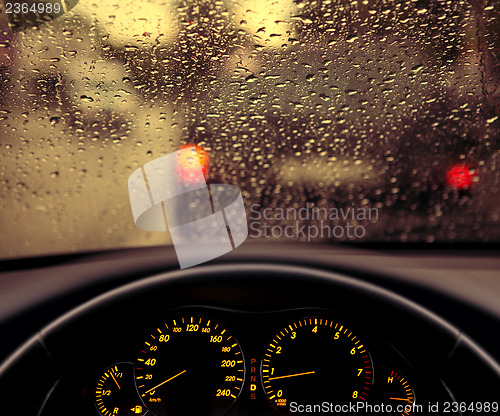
point(292, 375)
point(166, 381)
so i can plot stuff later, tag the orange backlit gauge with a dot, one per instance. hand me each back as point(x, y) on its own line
point(189, 365)
point(316, 360)
point(398, 393)
point(116, 394)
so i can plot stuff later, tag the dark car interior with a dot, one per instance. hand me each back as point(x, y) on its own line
point(396, 301)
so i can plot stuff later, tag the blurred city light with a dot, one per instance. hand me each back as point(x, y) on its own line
point(460, 176)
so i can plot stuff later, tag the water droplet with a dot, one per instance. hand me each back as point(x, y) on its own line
point(417, 68)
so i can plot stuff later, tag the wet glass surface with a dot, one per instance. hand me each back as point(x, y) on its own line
point(383, 113)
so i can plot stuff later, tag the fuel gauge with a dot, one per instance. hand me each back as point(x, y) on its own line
point(116, 394)
point(398, 393)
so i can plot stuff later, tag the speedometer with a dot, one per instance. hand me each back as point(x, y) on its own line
point(315, 361)
point(190, 365)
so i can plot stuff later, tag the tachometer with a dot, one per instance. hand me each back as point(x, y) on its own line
point(191, 365)
point(315, 361)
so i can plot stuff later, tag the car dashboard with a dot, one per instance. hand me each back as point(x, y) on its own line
point(251, 337)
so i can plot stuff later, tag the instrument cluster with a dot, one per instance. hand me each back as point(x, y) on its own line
point(210, 361)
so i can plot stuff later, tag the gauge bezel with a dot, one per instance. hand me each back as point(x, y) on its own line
point(131, 385)
point(184, 332)
point(324, 323)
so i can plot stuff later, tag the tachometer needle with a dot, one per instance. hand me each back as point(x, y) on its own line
point(398, 398)
point(292, 375)
point(115, 380)
point(166, 381)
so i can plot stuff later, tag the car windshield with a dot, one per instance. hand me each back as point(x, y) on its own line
point(361, 120)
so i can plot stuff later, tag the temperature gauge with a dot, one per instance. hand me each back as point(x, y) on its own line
point(398, 393)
